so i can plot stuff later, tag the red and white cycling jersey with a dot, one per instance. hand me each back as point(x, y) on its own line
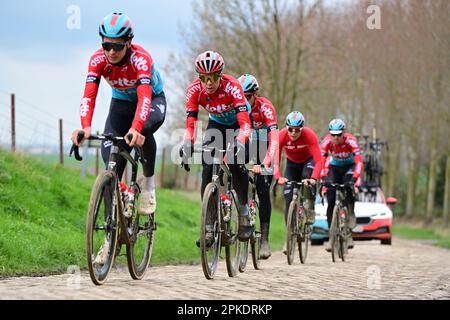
point(346, 153)
point(264, 117)
point(299, 151)
point(226, 106)
point(131, 79)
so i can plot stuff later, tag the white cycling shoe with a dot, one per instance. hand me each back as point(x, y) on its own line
point(148, 203)
point(102, 254)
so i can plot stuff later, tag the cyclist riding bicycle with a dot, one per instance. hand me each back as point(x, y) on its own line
point(345, 166)
point(303, 161)
point(264, 145)
point(137, 89)
point(222, 97)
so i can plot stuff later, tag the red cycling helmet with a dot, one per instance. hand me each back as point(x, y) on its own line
point(209, 62)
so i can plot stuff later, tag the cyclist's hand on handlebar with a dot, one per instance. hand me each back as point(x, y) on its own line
point(257, 169)
point(307, 182)
point(74, 137)
point(186, 151)
point(282, 181)
point(138, 138)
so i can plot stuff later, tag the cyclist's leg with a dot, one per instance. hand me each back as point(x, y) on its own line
point(308, 168)
point(349, 171)
point(335, 175)
point(153, 123)
point(293, 172)
point(118, 123)
point(265, 208)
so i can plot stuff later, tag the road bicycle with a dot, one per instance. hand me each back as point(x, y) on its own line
point(113, 219)
point(298, 232)
point(339, 231)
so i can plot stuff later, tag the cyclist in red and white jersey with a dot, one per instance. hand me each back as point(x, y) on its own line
point(264, 146)
point(344, 166)
point(303, 161)
point(222, 97)
point(138, 104)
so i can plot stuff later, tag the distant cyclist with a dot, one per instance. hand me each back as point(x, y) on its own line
point(345, 166)
point(138, 104)
point(303, 160)
point(222, 97)
point(265, 144)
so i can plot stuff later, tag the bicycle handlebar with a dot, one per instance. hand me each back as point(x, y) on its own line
point(105, 136)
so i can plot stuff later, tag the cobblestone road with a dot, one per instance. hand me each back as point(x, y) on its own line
point(405, 270)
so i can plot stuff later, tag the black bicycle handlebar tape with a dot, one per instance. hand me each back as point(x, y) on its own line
point(75, 149)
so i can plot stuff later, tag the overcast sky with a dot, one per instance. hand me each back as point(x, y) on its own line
point(44, 62)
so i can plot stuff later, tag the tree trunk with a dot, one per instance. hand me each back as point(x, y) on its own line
point(446, 214)
point(412, 178)
point(432, 181)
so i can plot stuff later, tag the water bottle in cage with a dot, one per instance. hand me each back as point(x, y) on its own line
point(252, 213)
point(226, 205)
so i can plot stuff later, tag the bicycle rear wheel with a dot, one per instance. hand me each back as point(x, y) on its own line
point(141, 230)
point(210, 228)
point(291, 232)
point(244, 256)
point(233, 245)
point(255, 243)
point(303, 237)
point(102, 227)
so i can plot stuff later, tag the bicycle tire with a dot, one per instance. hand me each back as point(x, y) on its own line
point(291, 235)
point(102, 190)
point(210, 208)
point(302, 238)
point(233, 258)
point(333, 234)
point(139, 253)
point(255, 244)
point(244, 256)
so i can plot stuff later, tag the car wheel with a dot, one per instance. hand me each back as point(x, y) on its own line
point(316, 242)
point(386, 241)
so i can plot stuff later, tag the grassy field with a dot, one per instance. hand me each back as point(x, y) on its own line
point(442, 237)
point(42, 219)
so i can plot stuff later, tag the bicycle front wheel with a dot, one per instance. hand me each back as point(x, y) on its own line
point(334, 234)
point(303, 237)
point(102, 228)
point(255, 243)
point(233, 245)
point(244, 256)
point(291, 232)
point(210, 233)
point(139, 251)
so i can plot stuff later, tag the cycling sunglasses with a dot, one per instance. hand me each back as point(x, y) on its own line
point(295, 129)
point(336, 135)
point(213, 77)
point(112, 45)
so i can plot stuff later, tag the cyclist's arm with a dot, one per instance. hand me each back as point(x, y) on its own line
point(243, 119)
point(192, 94)
point(357, 156)
point(144, 93)
point(277, 160)
point(325, 158)
point(313, 143)
point(87, 104)
point(270, 117)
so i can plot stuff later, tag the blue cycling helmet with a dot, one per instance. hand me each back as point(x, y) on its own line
point(249, 83)
point(116, 25)
point(336, 126)
point(295, 119)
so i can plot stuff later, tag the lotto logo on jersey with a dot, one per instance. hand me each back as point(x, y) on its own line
point(121, 82)
point(233, 90)
point(145, 109)
point(140, 63)
point(341, 155)
point(221, 108)
point(84, 107)
point(97, 60)
point(267, 112)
